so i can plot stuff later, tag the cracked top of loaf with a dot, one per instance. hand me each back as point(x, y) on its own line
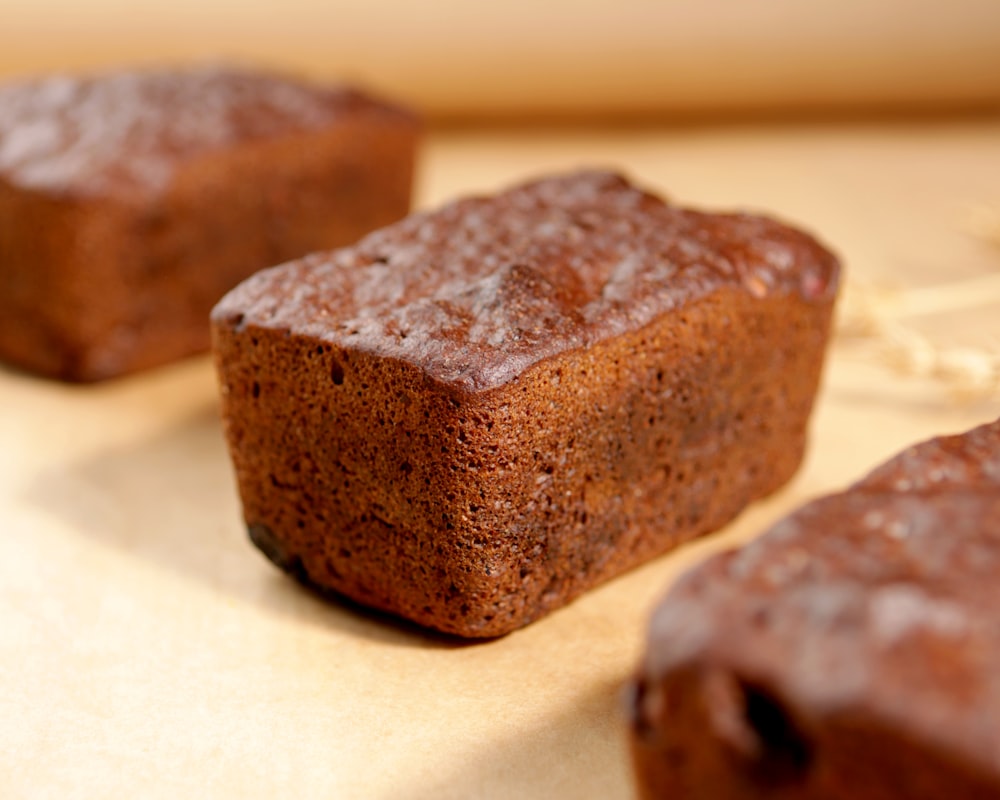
point(880, 600)
point(480, 290)
point(126, 131)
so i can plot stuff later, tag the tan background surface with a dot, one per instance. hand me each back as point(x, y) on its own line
point(146, 650)
point(460, 58)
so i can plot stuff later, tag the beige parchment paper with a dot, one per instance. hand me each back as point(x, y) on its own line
point(146, 650)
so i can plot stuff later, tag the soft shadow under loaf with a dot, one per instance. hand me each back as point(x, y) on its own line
point(171, 500)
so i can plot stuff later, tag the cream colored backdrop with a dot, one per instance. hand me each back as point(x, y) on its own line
point(461, 58)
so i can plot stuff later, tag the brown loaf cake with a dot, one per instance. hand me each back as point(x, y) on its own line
point(851, 652)
point(131, 202)
point(476, 414)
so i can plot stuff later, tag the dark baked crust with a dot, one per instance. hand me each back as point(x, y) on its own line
point(475, 415)
point(130, 202)
point(851, 651)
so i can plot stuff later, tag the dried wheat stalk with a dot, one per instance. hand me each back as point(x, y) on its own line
point(875, 315)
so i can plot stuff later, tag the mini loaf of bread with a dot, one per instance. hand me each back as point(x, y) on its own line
point(851, 652)
point(476, 414)
point(131, 202)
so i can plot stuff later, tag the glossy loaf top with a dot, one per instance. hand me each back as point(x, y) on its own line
point(480, 290)
point(127, 131)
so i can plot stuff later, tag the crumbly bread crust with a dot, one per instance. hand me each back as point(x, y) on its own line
point(476, 414)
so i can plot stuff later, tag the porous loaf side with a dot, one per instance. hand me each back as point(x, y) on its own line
point(475, 512)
